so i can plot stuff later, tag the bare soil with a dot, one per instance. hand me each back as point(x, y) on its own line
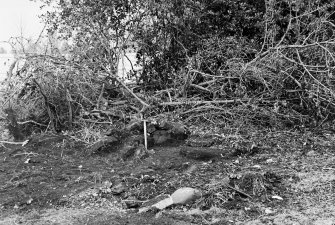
point(282, 177)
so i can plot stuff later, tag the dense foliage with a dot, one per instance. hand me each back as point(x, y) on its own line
point(226, 61)
point(180, 30)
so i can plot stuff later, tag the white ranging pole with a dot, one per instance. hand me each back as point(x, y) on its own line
point(145, 135)
point(145, 132)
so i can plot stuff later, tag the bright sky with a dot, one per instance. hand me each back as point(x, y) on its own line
point(17, 16)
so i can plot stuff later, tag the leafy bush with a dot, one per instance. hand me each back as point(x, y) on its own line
point(179, 30)
point(230, 62)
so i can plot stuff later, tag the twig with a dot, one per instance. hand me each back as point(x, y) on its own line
point(100, 96)
point(203, 102)
point(15, 143)
point(239, 191)
point(69, 100)
point(199, 87)
point(309, 73)
point(94, 121)
point(32, 121)
point(286, 32)
point(26, 153)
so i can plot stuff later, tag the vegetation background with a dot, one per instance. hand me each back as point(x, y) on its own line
point(230, 63)
point(252, 80)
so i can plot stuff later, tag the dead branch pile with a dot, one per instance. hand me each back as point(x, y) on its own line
point(293, 84)
point(289, 82)
point(56, 94)
point(285, 85)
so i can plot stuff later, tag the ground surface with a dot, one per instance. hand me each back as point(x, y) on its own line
point(288, 178)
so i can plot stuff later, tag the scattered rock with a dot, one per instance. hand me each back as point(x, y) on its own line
point(270, 161)
point(134, 140)
point(168, 131)
point(161, 136)
point(107, 144)
point(132, 203)
point(190, 169)
point(135, 125)
point(118, 189)
point(268, 211)
point(164, 125)
point(151, 128)
point(178, 131)
point(134, 146)
point(141, 152)
point(311, 153)
point(158, 133)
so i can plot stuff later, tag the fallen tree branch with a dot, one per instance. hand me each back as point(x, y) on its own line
point(200, 88)
point(144, 104)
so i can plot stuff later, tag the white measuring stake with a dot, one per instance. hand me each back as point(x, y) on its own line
point(144, 131)
point(145, 134)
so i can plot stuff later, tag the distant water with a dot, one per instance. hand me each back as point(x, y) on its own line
point(5, 62)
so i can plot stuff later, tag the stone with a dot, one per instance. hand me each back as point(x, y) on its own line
point(118, 189)
point(161, 136)
point(179, 131)
point(185, 195)
point(167, 131)
point(130, 146)
point(151, 128)
point(176, 129)
point(141, 152)
point(132, 203)
point(196, 141)
point(135, 125)
point(106, 144)
point(164, 125)
point(311, 153)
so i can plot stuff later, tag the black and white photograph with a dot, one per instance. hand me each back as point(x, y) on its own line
point(167, 112)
